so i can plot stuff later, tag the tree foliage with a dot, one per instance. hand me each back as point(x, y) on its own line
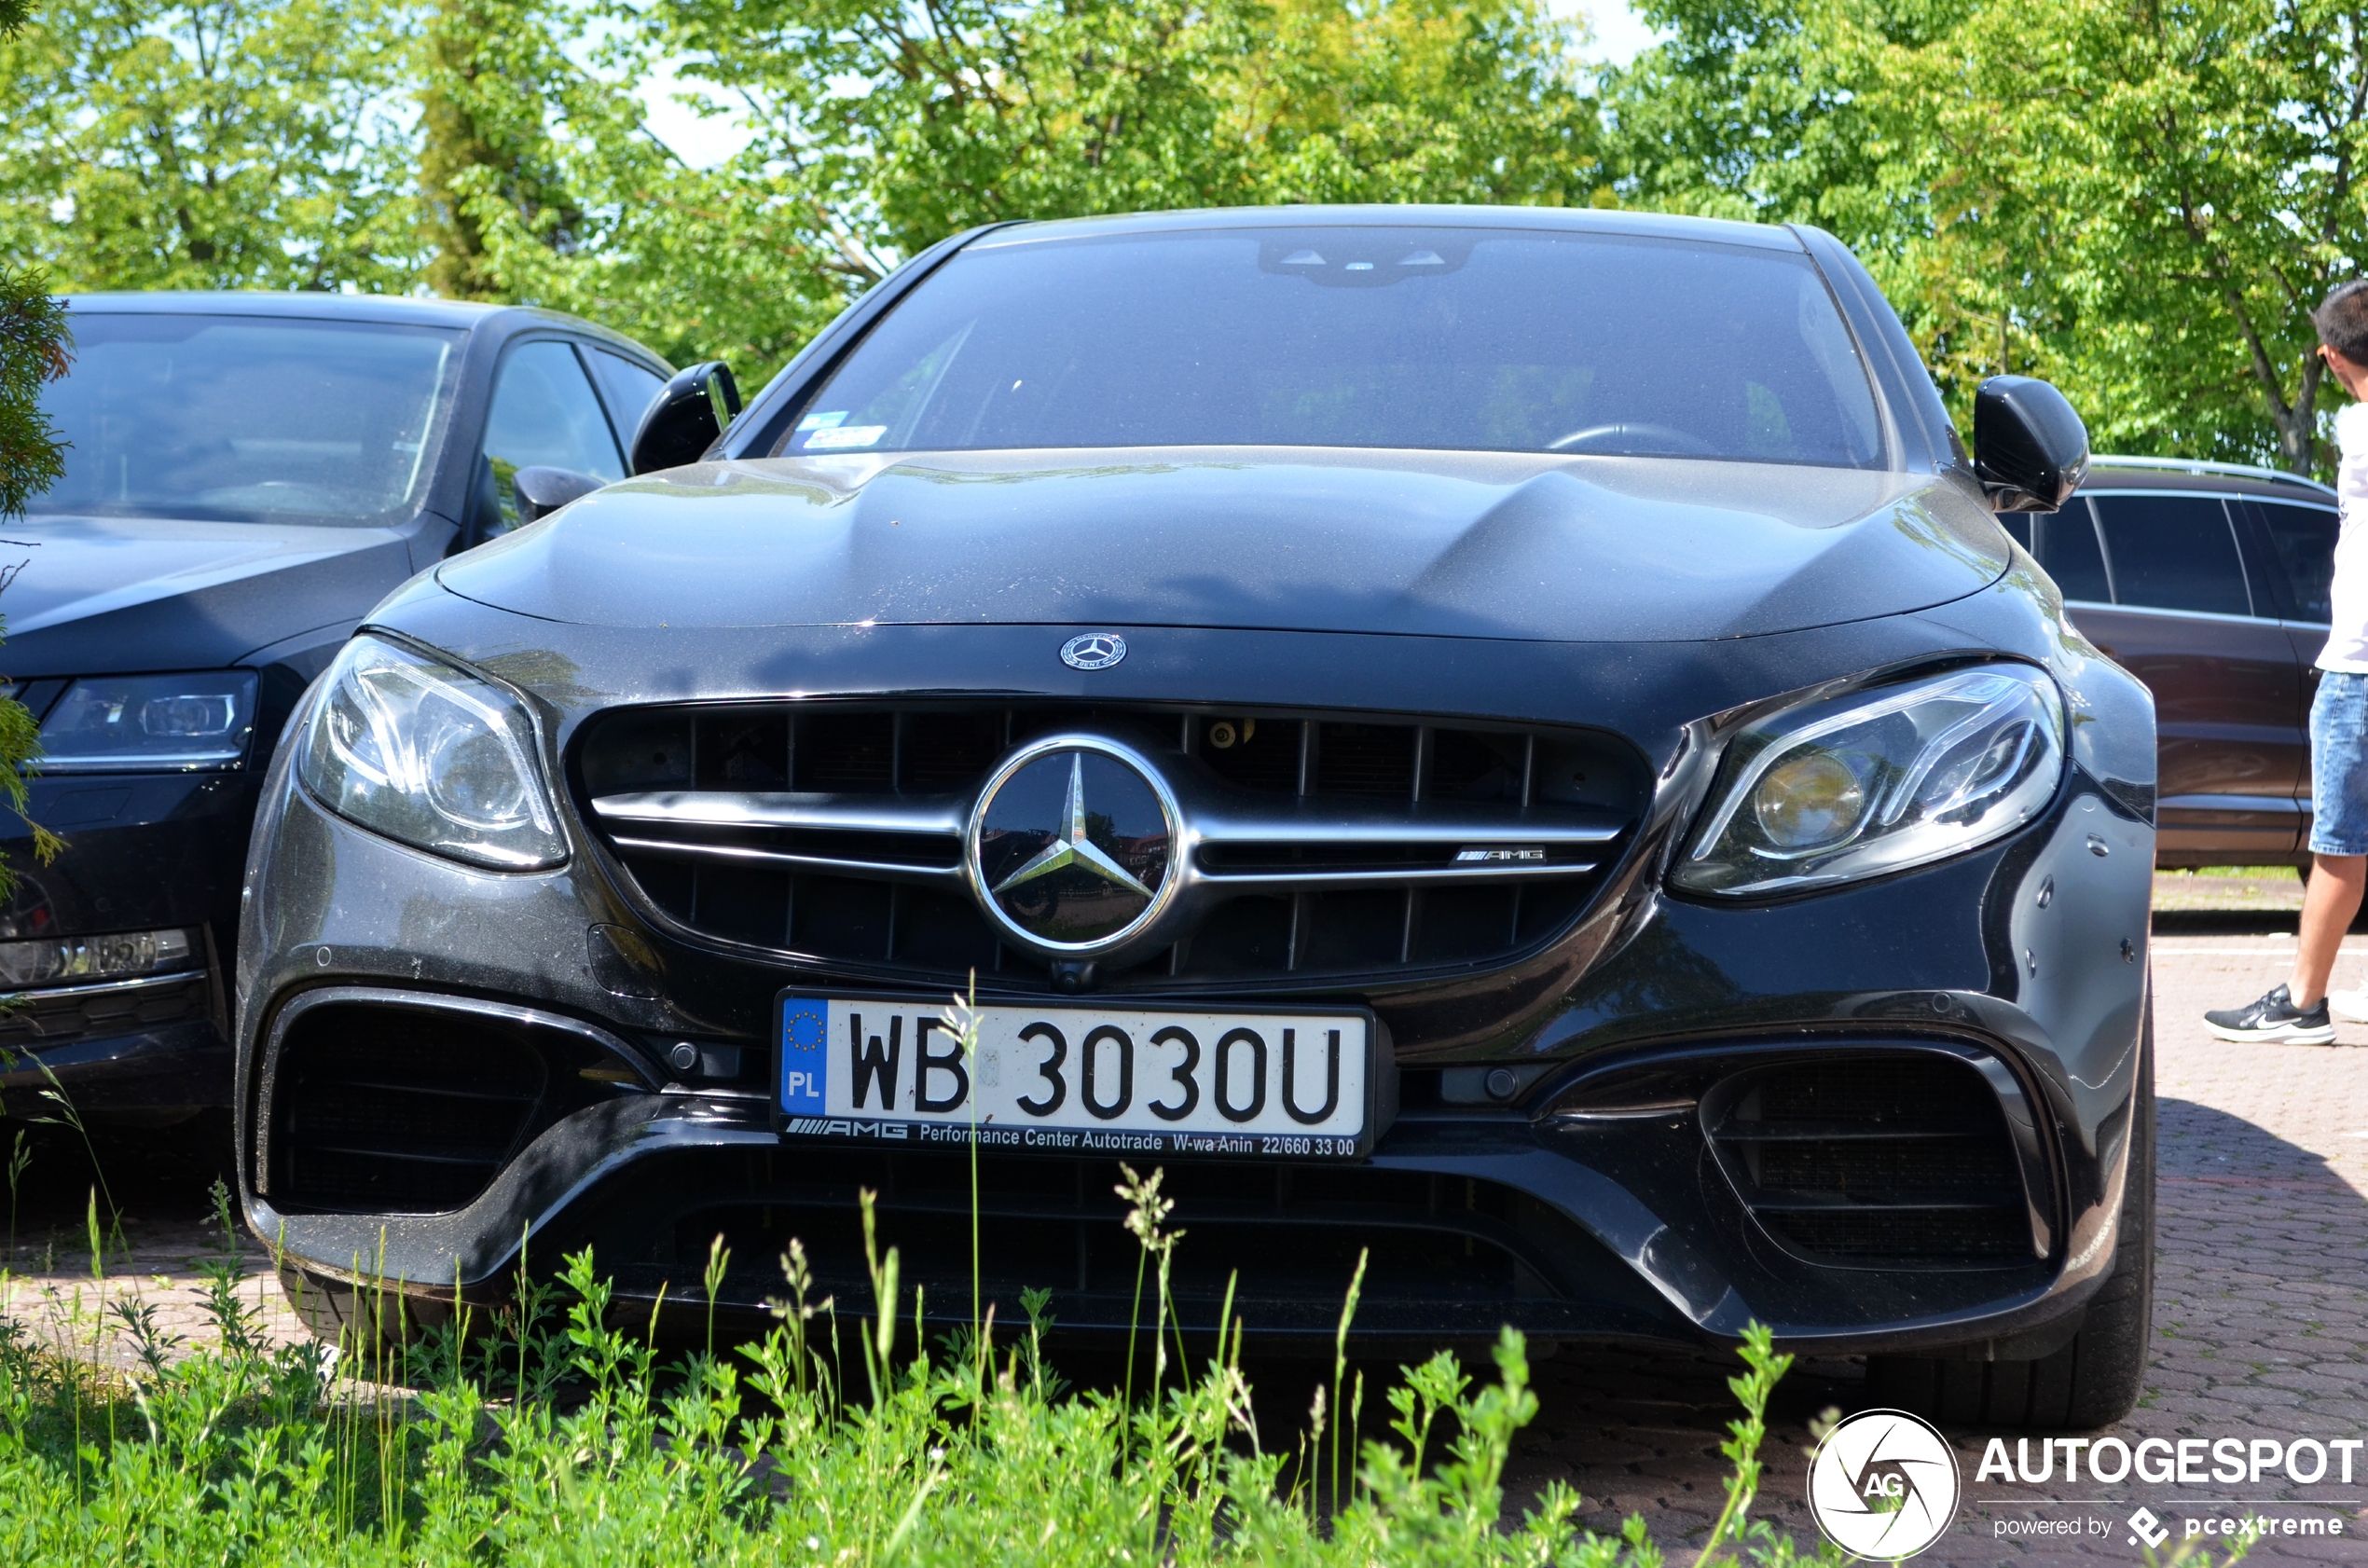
point(32, 353)
point(208, 144)
point(2142, 201)
point(485, 140)
point(879, 128)
point(2138, 201)
point(2155, 197)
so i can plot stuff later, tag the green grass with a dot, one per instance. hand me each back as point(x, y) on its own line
point(559, 1434)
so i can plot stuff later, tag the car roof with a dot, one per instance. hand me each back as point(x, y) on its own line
point(1577, 220)
point(312, 304)
point(2220, 478)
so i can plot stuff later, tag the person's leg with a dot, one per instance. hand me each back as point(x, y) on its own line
point(2328, 905)
point(2296, 1012)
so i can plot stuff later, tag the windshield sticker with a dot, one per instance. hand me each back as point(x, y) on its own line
point(823, 421)
point(844, 435)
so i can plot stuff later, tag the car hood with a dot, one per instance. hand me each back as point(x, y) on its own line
point(101, 595)
point(1520, 546)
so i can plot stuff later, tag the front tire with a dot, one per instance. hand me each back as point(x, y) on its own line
point(2094, 1381)
point(359, 1320)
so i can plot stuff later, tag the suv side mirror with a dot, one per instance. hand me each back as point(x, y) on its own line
point(684, 419)
point(2030, 451)
point(542, 491)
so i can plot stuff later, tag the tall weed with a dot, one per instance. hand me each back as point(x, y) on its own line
point(558, 1433)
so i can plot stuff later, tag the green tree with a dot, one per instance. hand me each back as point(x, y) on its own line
point(894, 126)
point(879, 128)
point(2139, 202)
point(485, 139)
point(1773, 111)
point(2152, 199)
point(542, 185)
point(1417, 101)
point(32, 353)
point(208, 144)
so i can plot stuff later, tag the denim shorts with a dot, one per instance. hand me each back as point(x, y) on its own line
point(2339, 765)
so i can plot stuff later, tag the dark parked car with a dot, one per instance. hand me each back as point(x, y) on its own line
point(2209, 583)
point(1507, 738)
point(247, 475)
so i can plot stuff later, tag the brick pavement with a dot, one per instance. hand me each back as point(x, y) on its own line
point(2262, 1293)
point(54, 1294)
point(2262, 1284)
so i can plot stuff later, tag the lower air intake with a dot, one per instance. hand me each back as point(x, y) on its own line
point(1874, 1162)
point(1280, 1243)
point(381, 1111)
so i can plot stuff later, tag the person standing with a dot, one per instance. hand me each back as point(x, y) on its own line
point(2301, 1011)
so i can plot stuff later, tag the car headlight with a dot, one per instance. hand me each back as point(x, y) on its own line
point(150, 724)
point(123, 955)
point(425, 753)
point(1873, 782)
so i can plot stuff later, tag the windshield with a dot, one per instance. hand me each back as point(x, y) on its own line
point(1360, 337)
point(248, 418)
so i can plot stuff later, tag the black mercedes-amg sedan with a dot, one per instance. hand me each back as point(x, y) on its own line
point(1506, 742)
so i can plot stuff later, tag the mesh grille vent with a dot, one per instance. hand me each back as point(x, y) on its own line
point(1877, 1161)
point(395, 1111)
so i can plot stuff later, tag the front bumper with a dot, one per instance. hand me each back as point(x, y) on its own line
point(2028, 956)
point(143, 852)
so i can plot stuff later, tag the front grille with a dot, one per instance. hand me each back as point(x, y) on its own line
point(1281, 1242)
point(1894, 1162)
point(387, 1111)
point(66, 1013)
point(832, 832)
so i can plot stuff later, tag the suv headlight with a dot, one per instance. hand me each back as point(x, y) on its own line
point(1873, 782)
point(115, 956)
point(428, 754)
point(150, 724)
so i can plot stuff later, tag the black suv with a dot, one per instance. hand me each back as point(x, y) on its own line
point(246, 476)
point(2209, 583)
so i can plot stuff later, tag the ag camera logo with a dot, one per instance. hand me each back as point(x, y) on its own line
point(1883, 1484)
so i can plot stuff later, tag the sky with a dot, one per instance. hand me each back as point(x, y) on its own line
point(705, 142)
point(1620, 34)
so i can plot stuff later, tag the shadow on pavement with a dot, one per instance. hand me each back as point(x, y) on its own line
point(2235, 922)
point(159, 1177)
point(2196, 1140)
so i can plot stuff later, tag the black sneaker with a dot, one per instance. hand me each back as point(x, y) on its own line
point(2274, 1020)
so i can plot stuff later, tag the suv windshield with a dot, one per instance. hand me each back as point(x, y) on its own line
point(1360, 337)
point(248, 418)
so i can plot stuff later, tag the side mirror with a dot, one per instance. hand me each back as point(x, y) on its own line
point(542, 491)
point(684, 419)
point(2030, 451)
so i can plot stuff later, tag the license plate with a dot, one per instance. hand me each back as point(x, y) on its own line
point(1108, 1081)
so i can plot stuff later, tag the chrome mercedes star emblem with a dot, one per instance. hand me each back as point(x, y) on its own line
point(1072, 847)
point(1095, 650)
point(1068, 848)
